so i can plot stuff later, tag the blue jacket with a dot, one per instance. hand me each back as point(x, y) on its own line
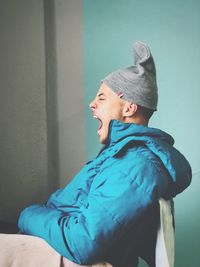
point(109, 211)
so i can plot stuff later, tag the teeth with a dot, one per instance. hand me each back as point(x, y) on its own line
point(95, 117)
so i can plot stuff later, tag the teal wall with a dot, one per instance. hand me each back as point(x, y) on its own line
point(171, 28)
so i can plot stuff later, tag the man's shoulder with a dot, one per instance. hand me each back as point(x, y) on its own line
point(137, 168)
point(133, 159)
point(137, 153)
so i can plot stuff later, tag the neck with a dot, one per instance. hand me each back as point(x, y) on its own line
point(136, 119)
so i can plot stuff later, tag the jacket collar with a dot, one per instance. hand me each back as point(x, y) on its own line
point(125, 132)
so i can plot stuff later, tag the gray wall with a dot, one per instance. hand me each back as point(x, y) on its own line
point(23, 136)
point(41, 118)
point(69, 56)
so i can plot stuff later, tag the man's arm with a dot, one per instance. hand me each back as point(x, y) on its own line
point(114, 205)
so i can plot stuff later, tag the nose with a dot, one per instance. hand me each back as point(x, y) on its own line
point(92, 105)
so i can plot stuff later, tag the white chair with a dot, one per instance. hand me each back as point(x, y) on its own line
point(165, 236)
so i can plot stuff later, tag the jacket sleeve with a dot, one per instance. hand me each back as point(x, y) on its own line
point(113, 206)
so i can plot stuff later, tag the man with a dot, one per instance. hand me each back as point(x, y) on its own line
point(109, 212)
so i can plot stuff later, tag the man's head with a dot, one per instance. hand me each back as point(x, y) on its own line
point(128, 95)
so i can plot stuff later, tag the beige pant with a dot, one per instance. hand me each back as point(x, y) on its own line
point(30, 251)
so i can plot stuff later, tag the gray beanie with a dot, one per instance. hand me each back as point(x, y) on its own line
point(137, 83)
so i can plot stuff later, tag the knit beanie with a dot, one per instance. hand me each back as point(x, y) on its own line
point(137, 83)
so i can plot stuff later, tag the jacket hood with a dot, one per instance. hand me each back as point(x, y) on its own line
point(160, 143)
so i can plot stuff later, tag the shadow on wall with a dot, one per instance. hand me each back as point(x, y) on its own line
point(8, 228)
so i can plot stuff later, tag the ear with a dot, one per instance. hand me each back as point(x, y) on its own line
point(129, 109)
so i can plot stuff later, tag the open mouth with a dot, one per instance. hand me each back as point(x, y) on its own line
point(100, 123)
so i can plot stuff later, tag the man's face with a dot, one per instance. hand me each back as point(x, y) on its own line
point(105, 107)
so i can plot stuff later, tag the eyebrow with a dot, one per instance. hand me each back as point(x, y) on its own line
point(101, 94)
